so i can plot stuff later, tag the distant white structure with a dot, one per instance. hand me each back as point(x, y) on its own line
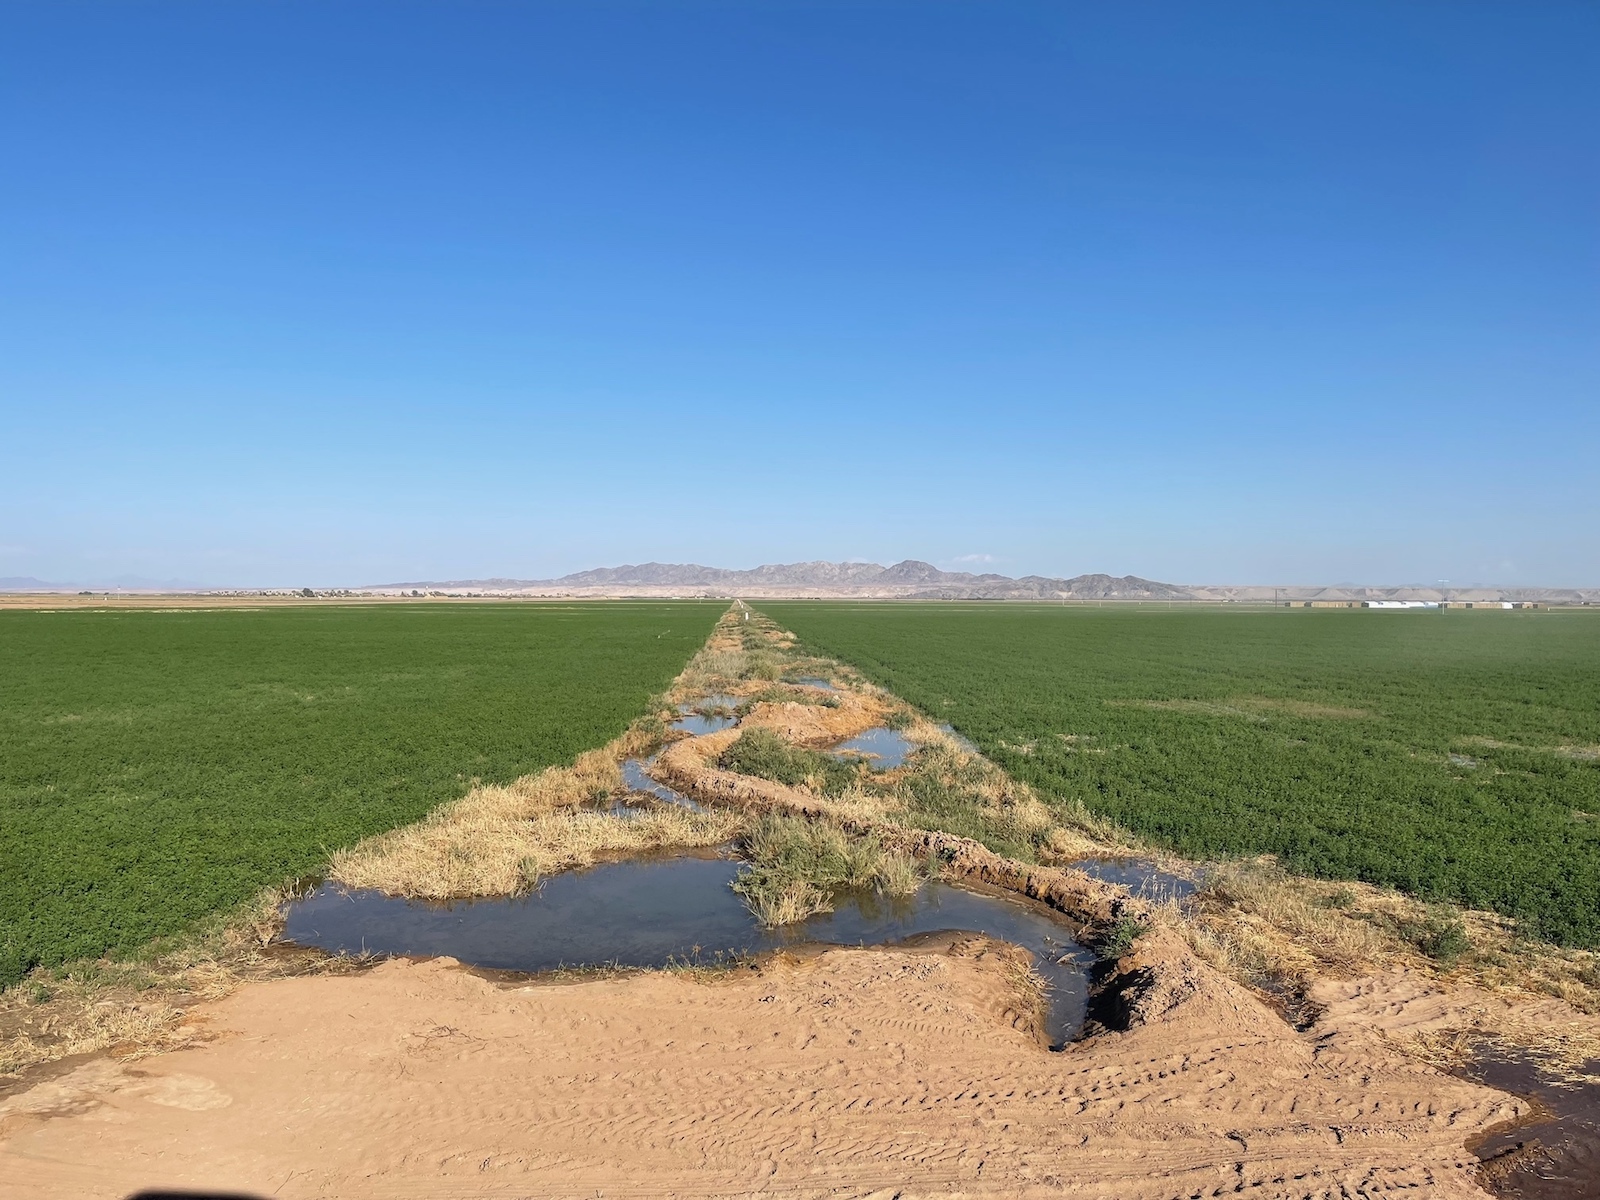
point(1402, 604)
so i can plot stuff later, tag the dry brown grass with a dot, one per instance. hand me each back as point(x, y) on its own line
point(1279, 931)
point(1030, 991)
point(499, 841)
point(504, 854)
point(1291, 924)
point(793, 902)
point(738, 653)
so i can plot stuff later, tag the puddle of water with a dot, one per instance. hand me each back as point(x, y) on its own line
point(961, 740)
point(884, 748)
point(1554, 1156)
point(650, 912)
point(636, 778)
point(698, 723)
point(713, 702)
point(815, 681)
point(1139, 876)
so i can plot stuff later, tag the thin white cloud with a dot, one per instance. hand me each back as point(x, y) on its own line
point(975, 558)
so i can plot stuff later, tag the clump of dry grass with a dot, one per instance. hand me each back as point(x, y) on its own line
point(738, 652)
point(1003, 800)
point(1030, 990)
point(1275, 930)
point(788, 903)
point(1060, 832)
point(499, 840)
point(1314, 932)
point(711, 669)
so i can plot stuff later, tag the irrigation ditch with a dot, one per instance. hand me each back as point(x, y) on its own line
point(1104, 925)
point(775, 804)
point(671, 902)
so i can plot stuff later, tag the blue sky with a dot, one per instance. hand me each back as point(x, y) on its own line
point(333, 293)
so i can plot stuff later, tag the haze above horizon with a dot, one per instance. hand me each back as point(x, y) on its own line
point(307, 294)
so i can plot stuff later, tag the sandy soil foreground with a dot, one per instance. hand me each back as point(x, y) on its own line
point(854, 1072)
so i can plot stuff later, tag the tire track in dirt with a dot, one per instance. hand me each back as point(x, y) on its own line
point(422, 1079)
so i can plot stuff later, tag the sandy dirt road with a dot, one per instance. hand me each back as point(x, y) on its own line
point(851, 1073)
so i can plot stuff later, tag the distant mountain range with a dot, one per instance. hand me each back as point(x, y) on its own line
point(913, 579)
point(910, 579)
point(120, 583)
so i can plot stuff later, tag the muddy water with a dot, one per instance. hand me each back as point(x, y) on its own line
point(815, 681)
point(883, 748)
point(651, 912)
point(1555, 1155)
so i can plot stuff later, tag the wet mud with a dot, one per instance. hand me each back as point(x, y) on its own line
point(1555, 1153)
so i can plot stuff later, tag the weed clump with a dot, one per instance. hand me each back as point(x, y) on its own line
point(796, 865)
point(1119, 939)
point(764, 754)
point(1439, 934)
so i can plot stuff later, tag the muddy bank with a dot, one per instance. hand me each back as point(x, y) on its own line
point(1552, 1153)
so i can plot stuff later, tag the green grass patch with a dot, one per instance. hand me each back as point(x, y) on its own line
point(156, 767)
point(1449, 754)
point(762, 753)
point(1120, 939)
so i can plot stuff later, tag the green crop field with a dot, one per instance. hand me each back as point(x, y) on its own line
point(1453, 754)
point(159, 766)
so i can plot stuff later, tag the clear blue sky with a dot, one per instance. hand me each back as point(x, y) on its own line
point(334, 293)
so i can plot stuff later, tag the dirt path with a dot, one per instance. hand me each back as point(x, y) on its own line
point(851, 1073)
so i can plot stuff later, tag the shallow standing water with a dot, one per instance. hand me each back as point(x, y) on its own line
point(700, 724)
point(1139, 876)
point(651, 912)
point(1556, 1154)
point(883, 748)
point(636, 779)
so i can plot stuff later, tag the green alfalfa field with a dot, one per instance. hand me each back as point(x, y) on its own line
point(160, 766)
point(1452, 754)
